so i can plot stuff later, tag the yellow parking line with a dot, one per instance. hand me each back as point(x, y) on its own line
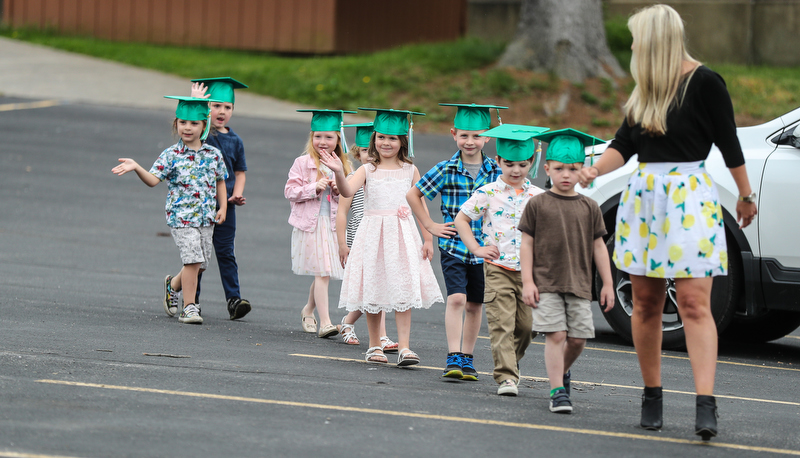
point(574, 382)
point(685, 358)
point(9, 454)
point(423, 416)
point(29, 105)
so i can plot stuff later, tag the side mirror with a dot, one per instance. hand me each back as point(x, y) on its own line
point(796, 137)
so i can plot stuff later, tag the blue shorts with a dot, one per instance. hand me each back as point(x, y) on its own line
point(463, 278)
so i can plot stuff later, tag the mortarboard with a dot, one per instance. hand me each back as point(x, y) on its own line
point(395, 122)
point(568, 145)
point(363, 133)
point(470, 116)
point(193, 109)
point(514, 141)
point(221, 89)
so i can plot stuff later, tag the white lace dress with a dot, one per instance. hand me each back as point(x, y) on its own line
point(385, 271)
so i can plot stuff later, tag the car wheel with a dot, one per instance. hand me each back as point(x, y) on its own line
point(771, 325)
point(724, 296)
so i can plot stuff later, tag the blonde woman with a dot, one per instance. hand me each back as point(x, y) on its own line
point(676, 111)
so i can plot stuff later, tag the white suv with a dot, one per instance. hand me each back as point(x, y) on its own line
point(759, 299)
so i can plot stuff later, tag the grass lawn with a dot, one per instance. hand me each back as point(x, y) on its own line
point(418, 77)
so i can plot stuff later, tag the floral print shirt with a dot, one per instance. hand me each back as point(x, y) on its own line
point(501, 208)
point(191, 182)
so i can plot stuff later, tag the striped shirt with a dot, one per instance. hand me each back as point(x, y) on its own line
point(356, 212)
point(452, 180)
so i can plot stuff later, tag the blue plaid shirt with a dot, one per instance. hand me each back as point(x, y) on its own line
point(452, 180)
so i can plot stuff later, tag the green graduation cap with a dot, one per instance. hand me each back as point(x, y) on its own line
point(470, 116)
point(221, 89)
point(193, 109)
point(392, 122)
point(326, 120)
point(568, 145)
point(514, 141)
point(363, 133)
point(395, 122)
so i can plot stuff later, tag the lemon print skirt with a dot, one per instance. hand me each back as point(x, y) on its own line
point(669, 223)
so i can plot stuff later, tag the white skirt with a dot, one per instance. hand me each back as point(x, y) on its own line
point(669, 223)
point(316, 253)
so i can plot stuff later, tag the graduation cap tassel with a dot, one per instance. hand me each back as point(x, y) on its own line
point(591, 163)
point(341, 134)
point(500, 121)
point(208, 127)
point(537, 157)
point(411, 137)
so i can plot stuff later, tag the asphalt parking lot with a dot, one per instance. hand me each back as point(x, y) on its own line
point(90, 366)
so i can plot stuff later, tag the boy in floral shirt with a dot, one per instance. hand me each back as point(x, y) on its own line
point(500, 204)
point(195, 174)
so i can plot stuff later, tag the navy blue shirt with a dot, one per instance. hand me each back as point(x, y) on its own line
point(232, 153)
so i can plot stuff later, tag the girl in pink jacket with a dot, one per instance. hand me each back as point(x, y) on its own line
point(311, 191)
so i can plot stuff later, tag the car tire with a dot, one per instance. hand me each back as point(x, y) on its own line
point(770, 325)
point(725, 294)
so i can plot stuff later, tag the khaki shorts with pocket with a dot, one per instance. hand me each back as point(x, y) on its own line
point(564, 312)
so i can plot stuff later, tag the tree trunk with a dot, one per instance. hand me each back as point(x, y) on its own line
point(566, 37)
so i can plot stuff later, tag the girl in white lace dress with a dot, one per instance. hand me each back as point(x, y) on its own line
point(389, 267)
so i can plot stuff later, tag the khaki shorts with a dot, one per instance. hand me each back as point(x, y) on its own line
point(564, 312)
point(195, 244)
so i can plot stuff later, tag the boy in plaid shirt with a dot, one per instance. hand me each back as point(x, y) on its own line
point(456, 179)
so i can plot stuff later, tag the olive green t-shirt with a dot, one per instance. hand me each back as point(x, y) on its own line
point(564, 230)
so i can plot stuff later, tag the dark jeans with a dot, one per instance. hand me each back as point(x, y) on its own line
point(224, 235)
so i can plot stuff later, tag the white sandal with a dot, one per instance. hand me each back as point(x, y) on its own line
point(374, 356)
point(406, 357)
point(388, 346)
point(349, 333)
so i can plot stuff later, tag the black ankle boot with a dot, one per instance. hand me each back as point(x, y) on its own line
point(652, 408)
point(705, 425)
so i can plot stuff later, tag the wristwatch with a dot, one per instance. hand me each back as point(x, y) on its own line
point(751, 199)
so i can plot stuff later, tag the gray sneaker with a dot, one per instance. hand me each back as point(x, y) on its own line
point(560, 403)
point(172, 299)
point(507, 387)
point(191, 315)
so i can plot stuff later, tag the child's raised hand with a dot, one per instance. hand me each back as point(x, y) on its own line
point(331, 160)
point(127, 165)
point(199, 91)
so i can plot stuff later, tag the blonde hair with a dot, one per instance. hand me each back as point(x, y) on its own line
point(659, 49)
point(402, 155)
point(338, 150)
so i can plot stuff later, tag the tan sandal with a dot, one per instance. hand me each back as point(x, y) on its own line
point(327, 331)
point(308, 326)
point(374, 355)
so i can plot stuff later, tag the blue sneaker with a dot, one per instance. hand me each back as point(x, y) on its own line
point(559, 402)
point(453, 367)
point(567, 379)
point(468, 371)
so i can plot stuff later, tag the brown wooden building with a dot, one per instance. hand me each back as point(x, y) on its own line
point(290, 26)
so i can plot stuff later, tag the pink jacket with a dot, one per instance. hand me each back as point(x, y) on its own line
point(301, 191)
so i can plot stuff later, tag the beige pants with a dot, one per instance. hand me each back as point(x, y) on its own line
point(509, 320)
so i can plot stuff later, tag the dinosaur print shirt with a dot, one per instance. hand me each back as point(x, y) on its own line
point(191, 182)
point(501, 207)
